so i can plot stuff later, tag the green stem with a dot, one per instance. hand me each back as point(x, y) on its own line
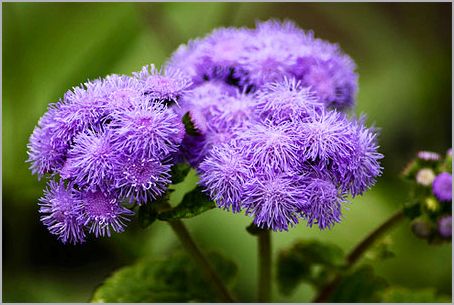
point(264, 253)
point(358, 251)
point(191, 247)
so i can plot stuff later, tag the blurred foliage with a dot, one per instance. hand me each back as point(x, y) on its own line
point(170, 279)
point(361, 285)
point(308, 261)
point(403, 53)
point(399, 295)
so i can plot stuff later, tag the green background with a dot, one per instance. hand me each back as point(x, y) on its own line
point(403, 53)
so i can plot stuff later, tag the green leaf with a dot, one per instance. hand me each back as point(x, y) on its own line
point(189, 125)
point(403, 295)
point(193, 204)
point(179, 171)
point(148, 214)
point(171, 279)
point(360, 285)
point(313, 262)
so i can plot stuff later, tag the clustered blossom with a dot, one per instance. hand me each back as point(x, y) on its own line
point(431, 208)
point(107, 142)
point(271, 137)
point(265, 127)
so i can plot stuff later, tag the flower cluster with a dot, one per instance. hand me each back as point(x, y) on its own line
point(430, 207)
point(106, 143)
point(252, 58)
point(272, 138)
point(266, 130)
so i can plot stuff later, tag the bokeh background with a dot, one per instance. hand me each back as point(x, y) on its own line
point(403, 53)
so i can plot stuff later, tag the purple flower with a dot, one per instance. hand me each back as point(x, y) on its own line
point(205, 98)
point(224, 173)
point(360, 170)
point(442, 187)
point(196, 147)
point(270, 145)
point(285, 100)
point(166, 85)
point(330, 73)
point(275, 201)
point(445, 226)
point(102, 213)
point(428, 156)
point(44, 155)
point(323, 203)
point(141, 179)
point(82, 107)
point(327, 136)
point(188, 59)
point(235, 111)
point(147, 131)
point(60, 209)
point(91, 160)
point(122, 91)
point(220, 51)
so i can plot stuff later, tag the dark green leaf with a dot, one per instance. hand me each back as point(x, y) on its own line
point(179, 171)
point(189, 125)
point(193, 204)
point(360, 285)
point(148, 213)
point(403, 295)
point(171, 279)
point(313, 262)
point(412, 210)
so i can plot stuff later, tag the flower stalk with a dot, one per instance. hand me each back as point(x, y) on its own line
point(264, 253)
point(191, 247)
point(358, 251)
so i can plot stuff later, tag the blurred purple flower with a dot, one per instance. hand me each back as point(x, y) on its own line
point(445, 226)
point(442, 187)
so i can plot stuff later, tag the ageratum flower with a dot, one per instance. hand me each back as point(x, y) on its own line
point(428, 156)
point(323, 203)
point(102, 212)
point(60, 208)
point(234, 111)
point(81, 108)
point(330, 73)
point(46, 156)
point(122, 91)
point(358, 172)
point(285, 100)
point(146, 130)
point(445, 226)
point(141, 179)
point(442, 187)
point(110, 140)
point(224, 173)
point(275, 200)
point(270, 145)
point(91, 160)
point(166, 85)
point(327, 136)
point(220, 51)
